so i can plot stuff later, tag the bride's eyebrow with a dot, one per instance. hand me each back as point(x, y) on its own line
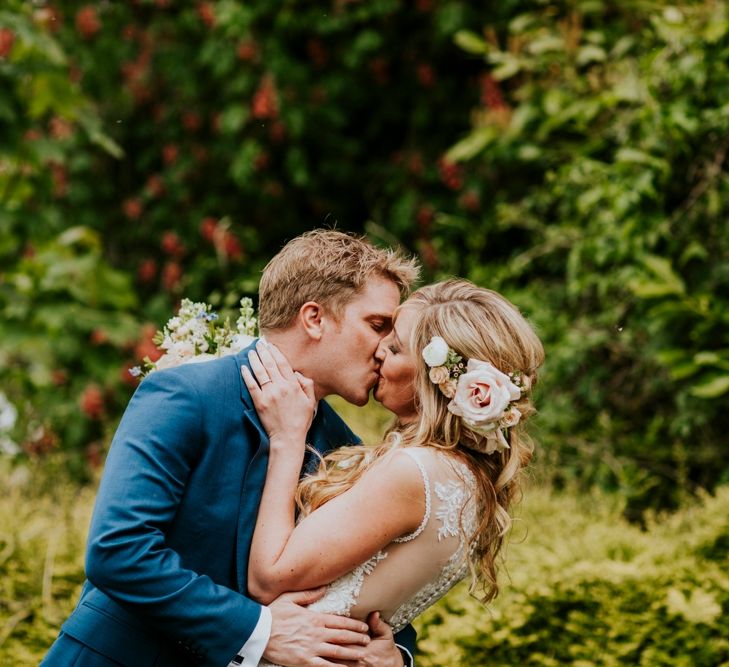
point(397, 338)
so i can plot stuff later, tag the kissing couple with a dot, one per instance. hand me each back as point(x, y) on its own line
point(239, 521)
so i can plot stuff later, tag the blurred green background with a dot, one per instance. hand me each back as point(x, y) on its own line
point(571, 155)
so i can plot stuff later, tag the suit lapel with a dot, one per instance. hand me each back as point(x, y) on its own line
point(254, 477)
point(255, 473)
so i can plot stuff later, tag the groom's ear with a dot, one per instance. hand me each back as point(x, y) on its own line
point(310, 319)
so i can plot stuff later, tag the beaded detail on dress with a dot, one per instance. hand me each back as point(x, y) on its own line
point(426, 514)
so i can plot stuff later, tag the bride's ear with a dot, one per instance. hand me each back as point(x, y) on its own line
point(310, 318)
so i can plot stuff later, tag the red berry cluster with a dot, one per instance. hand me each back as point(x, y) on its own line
point(172, 244)
point(265, 99)
point(491, 96)
point(451, 174)
point(7, 39)
point(92, 401)
point(226, 244)
point(206, 12)
point(247, 51)
point(87, 22)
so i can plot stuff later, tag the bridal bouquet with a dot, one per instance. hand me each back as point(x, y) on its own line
point(197, 334)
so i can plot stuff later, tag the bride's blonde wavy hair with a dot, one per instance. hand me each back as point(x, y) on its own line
point(477, 323)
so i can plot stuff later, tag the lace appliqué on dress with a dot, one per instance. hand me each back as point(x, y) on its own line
point(453, 497)
point(342, 593)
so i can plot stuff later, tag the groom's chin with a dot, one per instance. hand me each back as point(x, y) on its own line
point(360, 401)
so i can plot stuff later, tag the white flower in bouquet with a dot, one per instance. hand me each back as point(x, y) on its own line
point(8, 417)
point(197, 334)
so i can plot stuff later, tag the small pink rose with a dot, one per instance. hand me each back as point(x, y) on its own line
point(448, 388)
point(511, 418)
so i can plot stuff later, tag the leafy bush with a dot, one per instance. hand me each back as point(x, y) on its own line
point(586, 588)
point(603, 145)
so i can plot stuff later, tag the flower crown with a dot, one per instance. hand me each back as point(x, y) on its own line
point(481, 395)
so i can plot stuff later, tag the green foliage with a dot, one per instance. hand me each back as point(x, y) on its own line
point(586, 588)
point(603, 148)
point(43, 527)
point(571, 155)
point(65, 320)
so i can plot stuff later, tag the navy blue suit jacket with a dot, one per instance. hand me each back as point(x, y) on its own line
point(170, 536)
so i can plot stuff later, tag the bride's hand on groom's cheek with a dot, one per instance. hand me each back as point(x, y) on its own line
point(283, 398)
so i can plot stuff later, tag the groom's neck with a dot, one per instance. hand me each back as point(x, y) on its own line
point(298, 353)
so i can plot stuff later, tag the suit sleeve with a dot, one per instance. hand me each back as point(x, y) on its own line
point(153, 452)
point(405, 641)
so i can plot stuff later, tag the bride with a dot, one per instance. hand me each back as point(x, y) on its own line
point(390, 529)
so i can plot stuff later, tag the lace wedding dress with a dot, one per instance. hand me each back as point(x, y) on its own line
point(416, 570)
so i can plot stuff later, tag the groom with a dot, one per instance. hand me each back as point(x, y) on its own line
point(170, 536)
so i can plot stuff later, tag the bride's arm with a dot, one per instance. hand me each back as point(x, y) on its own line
point(387, 502)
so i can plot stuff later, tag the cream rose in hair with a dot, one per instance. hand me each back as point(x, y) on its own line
point(439, 374)
point(482, 395)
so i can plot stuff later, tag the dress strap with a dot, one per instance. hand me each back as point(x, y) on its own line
point(426, 484)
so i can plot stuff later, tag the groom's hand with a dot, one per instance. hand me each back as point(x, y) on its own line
point(382, 651)
point(304, 638)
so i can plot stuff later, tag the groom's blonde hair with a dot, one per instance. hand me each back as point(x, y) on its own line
point(329, 267)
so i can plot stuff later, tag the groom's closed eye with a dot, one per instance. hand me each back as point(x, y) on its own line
point(381, 326)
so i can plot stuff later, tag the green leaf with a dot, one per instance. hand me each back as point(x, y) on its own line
point(472, 145)
point(683, 371)
point(507, 66)
point(646, 289)
point(712, 388)
point(590, 54)
point(545, 44)
point(662, 269)
point(471, 42)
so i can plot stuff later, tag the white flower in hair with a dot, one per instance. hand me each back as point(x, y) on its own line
point(435, 353)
